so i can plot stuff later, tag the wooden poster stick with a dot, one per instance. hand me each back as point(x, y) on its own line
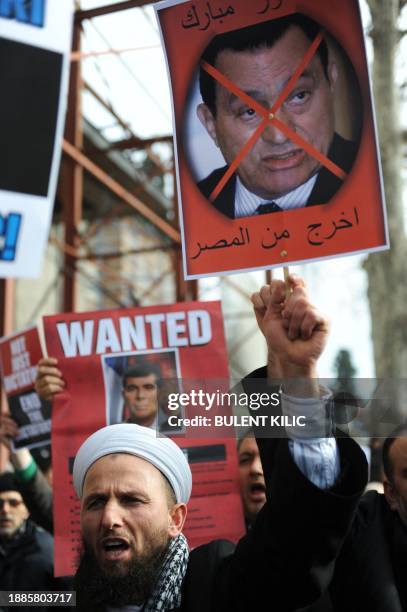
point(287, 284)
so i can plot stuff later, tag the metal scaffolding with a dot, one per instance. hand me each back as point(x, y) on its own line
point(99, 185)
point(76, 162)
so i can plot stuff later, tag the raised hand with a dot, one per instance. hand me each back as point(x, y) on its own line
point(49, 379)
point(296, 333)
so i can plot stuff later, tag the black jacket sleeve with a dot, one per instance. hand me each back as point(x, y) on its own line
point(290, 553)
point(289, 556)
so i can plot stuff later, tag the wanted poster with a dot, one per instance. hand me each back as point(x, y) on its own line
point(137, 365)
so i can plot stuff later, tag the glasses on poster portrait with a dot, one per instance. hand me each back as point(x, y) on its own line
point(282, 104)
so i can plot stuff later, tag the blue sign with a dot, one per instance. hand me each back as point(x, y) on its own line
point(9, 232)
point(26, 11)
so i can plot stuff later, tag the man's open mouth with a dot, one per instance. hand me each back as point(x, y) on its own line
point(258, 491)
point(114, 548)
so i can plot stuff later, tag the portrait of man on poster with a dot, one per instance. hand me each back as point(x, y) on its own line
point(297, 158)
point(138, 387)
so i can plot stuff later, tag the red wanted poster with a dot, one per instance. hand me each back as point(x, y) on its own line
point(98, 352)
point(19, 355)
point(274, 131)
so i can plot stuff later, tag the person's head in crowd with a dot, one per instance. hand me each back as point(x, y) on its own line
point(134, 488)
point(252, 485)
point(394, 455)
point(13, 511)
point(260, 59)
point(140, 393)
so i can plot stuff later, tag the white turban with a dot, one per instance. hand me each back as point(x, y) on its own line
point(142, 442)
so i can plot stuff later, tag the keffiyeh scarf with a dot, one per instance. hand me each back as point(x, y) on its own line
point(167, 592)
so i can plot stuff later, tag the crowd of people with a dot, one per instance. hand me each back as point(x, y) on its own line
point(314, 540)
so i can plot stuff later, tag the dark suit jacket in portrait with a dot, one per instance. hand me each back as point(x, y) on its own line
point(342, 152)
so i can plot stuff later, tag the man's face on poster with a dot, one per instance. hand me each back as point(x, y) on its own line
point(140, 395)
point(274, 165)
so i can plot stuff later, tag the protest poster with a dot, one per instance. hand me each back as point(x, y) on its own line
point(34, 33)
point(19, 355)
point(99, 353)
point(276, 151)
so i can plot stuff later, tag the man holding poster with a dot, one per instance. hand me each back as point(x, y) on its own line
point(19, 354)
point(134, 488)
point(276, 173)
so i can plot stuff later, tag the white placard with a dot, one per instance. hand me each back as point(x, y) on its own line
point(35, 43)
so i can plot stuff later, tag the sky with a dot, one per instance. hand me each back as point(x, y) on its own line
point(136, 84)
